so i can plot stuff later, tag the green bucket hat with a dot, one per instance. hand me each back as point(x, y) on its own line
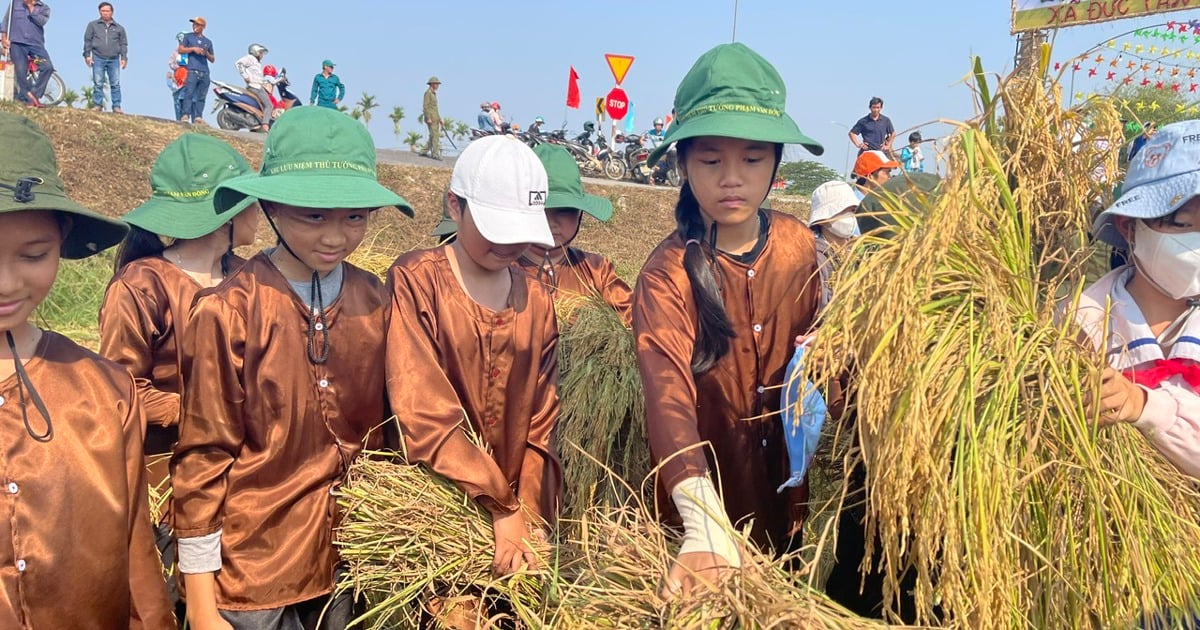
point(566, 187)
point(314, 157)
point(29, 181)
point(433, 80)
point(183, 182)
point(733, 92)
point(446, 226)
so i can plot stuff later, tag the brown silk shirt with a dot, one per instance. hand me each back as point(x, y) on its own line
point(143, 305)
point(452, 362)
point(78, 548)
point(582, 273)
point(734, 405)
point(266, 435)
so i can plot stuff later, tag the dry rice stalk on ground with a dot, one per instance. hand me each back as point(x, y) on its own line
point(603, 407)
point(984, 472)
point(620, 556)
point(409, 536)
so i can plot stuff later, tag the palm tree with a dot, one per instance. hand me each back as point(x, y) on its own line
point(356, 114)
point(70, 97)
point(87, 91)
point(412, 140)
point(397, 115)
point(460, 130)
point(365, 105)
point(343, 108)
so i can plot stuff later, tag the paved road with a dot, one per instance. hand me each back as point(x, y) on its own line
point(397, 156)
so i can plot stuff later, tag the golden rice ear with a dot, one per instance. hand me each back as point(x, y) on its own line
point(966, 386)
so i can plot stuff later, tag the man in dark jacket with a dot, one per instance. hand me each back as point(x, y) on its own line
point(23, 36)
point(105, 51)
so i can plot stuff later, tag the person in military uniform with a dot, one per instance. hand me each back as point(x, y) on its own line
point(433, 120)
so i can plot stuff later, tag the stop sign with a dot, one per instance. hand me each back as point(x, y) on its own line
point(617, 103)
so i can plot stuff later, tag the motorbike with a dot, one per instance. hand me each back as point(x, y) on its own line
point(236, 108)
point(635, 159)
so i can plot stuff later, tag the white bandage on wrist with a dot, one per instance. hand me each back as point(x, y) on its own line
point(706, 527)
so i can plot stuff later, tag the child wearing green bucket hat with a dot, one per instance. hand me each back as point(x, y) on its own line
point(564, 269)
point(282, 386)
point(147, 302)
point(716, 310)
point(79, 546)
point(472, 348)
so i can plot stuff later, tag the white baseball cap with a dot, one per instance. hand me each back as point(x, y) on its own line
point(1163, 176)
point(831, 199)
point(505, 186)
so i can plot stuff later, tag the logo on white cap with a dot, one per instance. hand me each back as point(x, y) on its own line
point(537, 198)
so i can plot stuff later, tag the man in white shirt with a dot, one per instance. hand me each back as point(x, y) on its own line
point(250, 67)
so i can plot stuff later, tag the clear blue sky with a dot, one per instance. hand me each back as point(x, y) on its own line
point(833, 56)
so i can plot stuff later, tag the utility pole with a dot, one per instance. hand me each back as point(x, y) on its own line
point(735, 12)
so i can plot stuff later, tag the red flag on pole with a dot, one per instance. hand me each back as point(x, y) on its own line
point(573, 90)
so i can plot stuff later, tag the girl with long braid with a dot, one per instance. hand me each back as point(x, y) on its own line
point(717, 309)
point(283, 387)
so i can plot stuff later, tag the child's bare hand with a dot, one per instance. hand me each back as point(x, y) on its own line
point(1120, 399)
point(511, 534)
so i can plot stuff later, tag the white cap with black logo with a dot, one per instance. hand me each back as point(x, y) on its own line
point(505, 186)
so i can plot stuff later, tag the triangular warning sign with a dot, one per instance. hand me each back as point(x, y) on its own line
point(619, 64)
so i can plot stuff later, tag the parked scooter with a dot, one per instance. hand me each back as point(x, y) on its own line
point(635, 156)
point(237, 109)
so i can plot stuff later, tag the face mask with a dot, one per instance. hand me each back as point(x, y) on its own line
point(844, 226)
point(1170, 261)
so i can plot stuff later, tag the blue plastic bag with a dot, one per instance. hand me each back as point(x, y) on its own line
point(800, 434)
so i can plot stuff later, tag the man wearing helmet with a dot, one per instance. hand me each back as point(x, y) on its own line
point(536, 127)
point(484, 119)
point(251, 69)
point(651, 139)
point(433, 119)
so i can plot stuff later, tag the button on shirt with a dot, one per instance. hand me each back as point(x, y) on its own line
point(76, 545)
point(265, 433)
point(452, 362)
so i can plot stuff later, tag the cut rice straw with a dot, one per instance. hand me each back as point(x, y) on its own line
point(985, 475)
point(603, 407)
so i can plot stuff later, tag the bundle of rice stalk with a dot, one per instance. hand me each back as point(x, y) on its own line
point(603, 408)
point(985, 474)
point(410, 536)
point(621, 555)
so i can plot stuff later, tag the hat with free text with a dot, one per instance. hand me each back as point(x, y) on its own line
point(831, 199)
point(314, 158)
point(327, 64)
point(183, 184)
point(1163, 176)
point(870, 161)
point(505, 186)
point(733, 92)
point(566, 186)
point(199, 20)
point(29, 181)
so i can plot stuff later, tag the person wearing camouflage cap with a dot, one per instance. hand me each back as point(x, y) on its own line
point(71, 422)
point(433, 119)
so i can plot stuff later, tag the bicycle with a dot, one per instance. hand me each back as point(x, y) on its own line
point(55, 87)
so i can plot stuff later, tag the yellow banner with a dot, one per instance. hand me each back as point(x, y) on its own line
point(1031, 15)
